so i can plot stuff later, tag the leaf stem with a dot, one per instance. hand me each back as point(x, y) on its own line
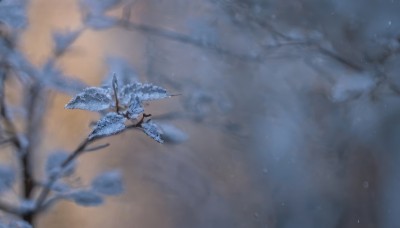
point(115, 89)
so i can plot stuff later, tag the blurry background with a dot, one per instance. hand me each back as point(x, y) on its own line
point(290, 108)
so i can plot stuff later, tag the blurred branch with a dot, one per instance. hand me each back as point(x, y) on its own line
point(183, 38)
point(47, 188)
point(10, 208)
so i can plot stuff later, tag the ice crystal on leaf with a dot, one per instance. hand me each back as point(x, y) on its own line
point(152, 130)
point(134, 109)
point(92, 99)
point(145, 92)
point(110, 124)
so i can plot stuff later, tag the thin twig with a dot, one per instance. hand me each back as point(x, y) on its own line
point(97, 147)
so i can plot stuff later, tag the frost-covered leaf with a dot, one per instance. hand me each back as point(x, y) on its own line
point(171, 134)
point(85, 198)
point(152, 130)
point(108, 183)
point(19, 224)
point(144, 92)
point(110, 124)
point(99, 22)
point(7, 178)
point(14, 13)
point(92, 99)
point(63, 39)
point(99, 6)
point(53, 164)
point(134, 109)
point(120, 67)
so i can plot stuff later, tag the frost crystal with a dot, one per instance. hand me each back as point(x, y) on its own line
point(7, 178)
point(53, 164)
point(92, 99)
point(85, 198)
point(144, 92)
point(110, 124)
point(108, 183)
point(134, 109)
point(152, 130)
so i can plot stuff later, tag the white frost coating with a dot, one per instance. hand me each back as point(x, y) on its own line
point(63, 39)
point(144, 92)
point(7, 178)
point(350, 86)
point(108, 183)
point(85, 198)
point(92, 99)
point(152, 130)
point(110, 124)
point(134, 109)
